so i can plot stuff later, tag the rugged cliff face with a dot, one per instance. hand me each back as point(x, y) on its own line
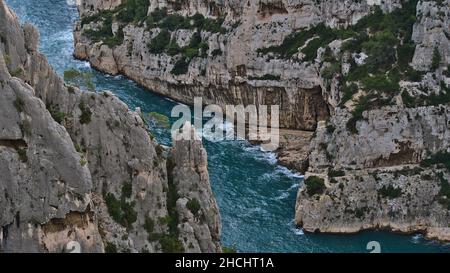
point(215, 49)
point(80, 166)
point(383, 160)
point(372, 76)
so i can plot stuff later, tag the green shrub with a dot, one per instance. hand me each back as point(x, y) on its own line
point(83, 162)
point(442, 158)
point(105, 33)
point(310, 50)
point(171, 201)
point(194, 206)
point(329, 72)
point(348, 90)
point(159, 120)
point(413, 75)
point(363, 104)
point(19, 104)
point(408, 100)
point(266, 77)
point(160, 42)
point(216, 52)
point(173, 48)
point(444, 192)
point(213, 25)
point(7, 59)
point(120, 210)
point(436, 59)
point(149, 225)
point(294, 41)
point(129, 215)
point(229, 249)
point(181, 67)
point(381, 83)
point(390, 192)
point(381, 51)
point(22, 155)
point(360, 212)
point(132, 11)
point(127, 190)
point(72, 73)
point(100, 16)
point(110, 248)
point(405, 54)
point(175, 21)
point(17, 72)
point(336, 173)
point(170, 244)
point(86, 114)
point(25, 127)
point(77, 77)
point(114, 207)
point(314, 185)
point(330, 129)
point(57, 115)
point(155, 17)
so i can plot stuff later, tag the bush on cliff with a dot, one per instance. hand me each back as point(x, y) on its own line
point(160, 42)
point(86, 113)
point(390, 192)
point(194, 206)
point(314, 185)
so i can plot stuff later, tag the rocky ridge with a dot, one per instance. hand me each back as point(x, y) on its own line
point(80, 166)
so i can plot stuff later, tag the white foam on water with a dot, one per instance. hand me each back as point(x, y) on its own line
point(298, 231)
point(283, 196)
point(416, 238)
point(257, 154)
point(226, 129)
point(294, 229)
point(291, 174)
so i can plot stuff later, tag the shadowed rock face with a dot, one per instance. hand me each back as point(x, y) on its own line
point(102, 183)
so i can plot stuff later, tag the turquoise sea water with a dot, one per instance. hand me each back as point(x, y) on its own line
point(256, 197)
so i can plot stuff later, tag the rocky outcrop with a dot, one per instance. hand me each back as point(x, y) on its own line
point(376, 179)
point(80, 166)
point(385, 165)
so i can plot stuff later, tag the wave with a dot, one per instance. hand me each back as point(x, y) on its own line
point(257, 154)
point(297, 231)
point(289, 173)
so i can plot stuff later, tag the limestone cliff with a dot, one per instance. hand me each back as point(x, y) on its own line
point(370, 77)
point(382, 161)
point(80, 166)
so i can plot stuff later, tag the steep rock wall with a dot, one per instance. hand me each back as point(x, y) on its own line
point(97, 178)
point(381, 160)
